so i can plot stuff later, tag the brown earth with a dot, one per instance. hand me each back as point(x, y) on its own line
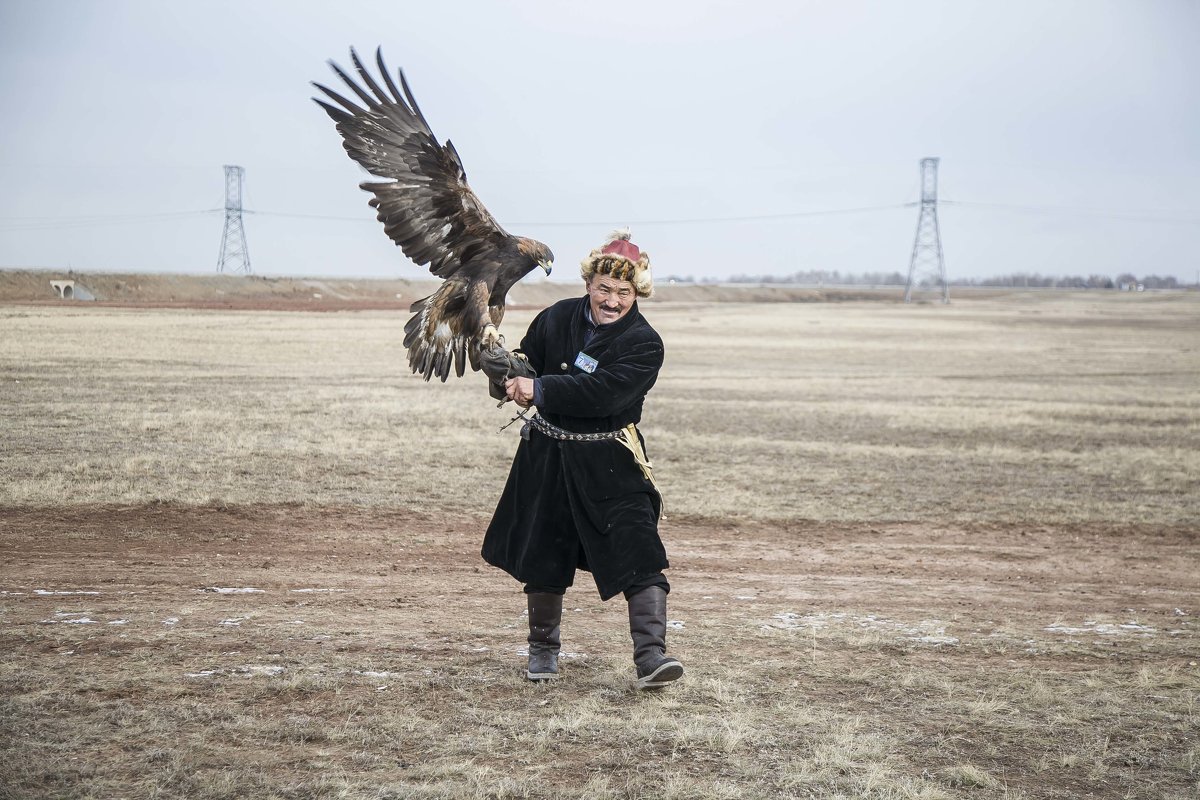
point(378, 657)
point(253, 292)
point(792, 634)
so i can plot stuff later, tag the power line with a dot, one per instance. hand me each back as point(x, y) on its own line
point(1130, 215)
point(97, 220)
point(708, 220)
point(581, 223)
point(329, 217)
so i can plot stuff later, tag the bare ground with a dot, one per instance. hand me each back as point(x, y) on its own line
point(380, 658)
point(267, 615)
point(256, 292)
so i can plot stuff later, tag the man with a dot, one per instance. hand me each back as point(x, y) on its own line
point(580, 493)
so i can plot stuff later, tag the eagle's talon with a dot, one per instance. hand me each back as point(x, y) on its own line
point(491, 338)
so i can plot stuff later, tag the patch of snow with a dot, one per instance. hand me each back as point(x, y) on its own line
point(171, 621)
point(45, 592)
point(295, 622)
point(80, 621)
point(375, 674)
point(933, 639)
point(60, 616)
point(675, 625)
point(119, 622)
point(789, 620)
point(223, 590)
point(249, 669)
point(743, 597)
point(1101, 629)
point(525, 652)
point(258, 669)
point(12, 593)
point(306, 591)
point(927, 631)
point(233, 622)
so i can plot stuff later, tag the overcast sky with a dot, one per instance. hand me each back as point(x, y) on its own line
point(1068, 131)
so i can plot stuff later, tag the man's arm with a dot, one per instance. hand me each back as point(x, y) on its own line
point(520, 390)
point(612, 387)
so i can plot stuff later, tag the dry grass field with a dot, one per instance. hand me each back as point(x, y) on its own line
point(918, 552)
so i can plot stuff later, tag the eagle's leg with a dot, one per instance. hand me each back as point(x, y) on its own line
point(490, 337)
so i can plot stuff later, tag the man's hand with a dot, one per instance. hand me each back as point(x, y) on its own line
point(520, 391)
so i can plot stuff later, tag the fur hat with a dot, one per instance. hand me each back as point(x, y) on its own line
point(620, 259)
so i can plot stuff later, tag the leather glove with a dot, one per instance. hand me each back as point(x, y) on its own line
point(499, 365)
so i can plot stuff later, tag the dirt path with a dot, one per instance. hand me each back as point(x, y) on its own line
point(121, 613)
point(1006, 571)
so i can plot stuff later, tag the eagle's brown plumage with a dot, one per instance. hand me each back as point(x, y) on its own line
point(428, 209)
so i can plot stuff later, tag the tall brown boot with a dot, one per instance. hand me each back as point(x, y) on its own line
point(648, 629)
point(545, 617)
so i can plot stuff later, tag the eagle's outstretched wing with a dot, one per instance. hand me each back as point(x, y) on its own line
point(428, 209)
point(426, 206)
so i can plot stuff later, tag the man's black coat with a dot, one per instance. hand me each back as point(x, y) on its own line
point(570, 504)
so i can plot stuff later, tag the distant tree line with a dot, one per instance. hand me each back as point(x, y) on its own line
point(1125, 280)
point(1017, 279)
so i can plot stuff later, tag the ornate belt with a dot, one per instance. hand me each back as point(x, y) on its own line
point(554, 432)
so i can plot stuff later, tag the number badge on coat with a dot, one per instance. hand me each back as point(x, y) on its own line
point(586, 362)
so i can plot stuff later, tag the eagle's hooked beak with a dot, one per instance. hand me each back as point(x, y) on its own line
point(546, 265)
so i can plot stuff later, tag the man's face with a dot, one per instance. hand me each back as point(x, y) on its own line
point(610, 298)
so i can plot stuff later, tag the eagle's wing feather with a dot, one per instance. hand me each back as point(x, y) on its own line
point(428, 209)
point(426, 206)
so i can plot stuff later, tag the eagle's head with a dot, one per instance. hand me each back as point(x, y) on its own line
point(537, 252)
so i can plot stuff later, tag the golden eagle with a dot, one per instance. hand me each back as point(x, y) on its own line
point(428, 209)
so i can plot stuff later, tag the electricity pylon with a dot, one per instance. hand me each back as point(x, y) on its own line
point(233, 240)
point(927, 260)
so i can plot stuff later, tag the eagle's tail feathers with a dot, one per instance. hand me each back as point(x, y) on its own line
point(412, 329)
point(437, 355)
point(441, 363)
point(473, 354)
point(460, 355)
point(417, 306)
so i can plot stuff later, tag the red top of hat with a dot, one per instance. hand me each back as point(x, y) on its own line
point(622, 247)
